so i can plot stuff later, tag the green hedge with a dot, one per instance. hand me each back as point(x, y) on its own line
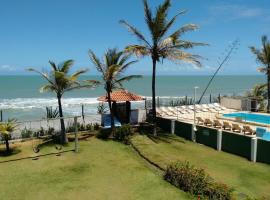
point(206, 136)
point(236, 144)
point(183, 130)
point(263, 151)
point(164, 124)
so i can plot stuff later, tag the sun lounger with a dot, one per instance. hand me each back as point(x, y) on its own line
point(208, 108)
point(214, 107)
point(248, 131)
point(217, 124)
point(226, 126)
point(191, 107)
point(236, 128)
point(200, 107)
point(200, 121)
point(219, 106)
point(208, 122)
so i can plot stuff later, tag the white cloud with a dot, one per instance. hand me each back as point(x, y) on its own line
point(7, 68)
point(231, 12)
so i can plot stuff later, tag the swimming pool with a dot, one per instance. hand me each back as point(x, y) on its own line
point(250, 117)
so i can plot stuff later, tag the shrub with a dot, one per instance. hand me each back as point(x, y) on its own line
point(104, 133)
point(89, 127)
point(196, 181)
point(123, 133)
point(96, 126)
point(26, 133)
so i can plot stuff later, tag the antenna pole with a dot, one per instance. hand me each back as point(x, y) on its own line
point(235, 43)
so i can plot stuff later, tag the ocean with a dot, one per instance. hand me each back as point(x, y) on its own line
point(20, 97)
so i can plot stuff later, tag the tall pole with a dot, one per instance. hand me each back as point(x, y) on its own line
point(194, 120)
point(227, 57)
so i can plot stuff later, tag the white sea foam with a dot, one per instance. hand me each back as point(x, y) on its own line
point(41, 103)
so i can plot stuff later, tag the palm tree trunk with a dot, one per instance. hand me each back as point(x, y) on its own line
point(62, 123)
point(7, 145)
point(268, 91)
point(154, 114)
point(111, 110)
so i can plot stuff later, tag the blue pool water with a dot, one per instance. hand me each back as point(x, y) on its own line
point(250, 117)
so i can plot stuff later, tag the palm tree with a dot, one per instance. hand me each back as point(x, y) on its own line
point(59, 82)
point(161, 44)
point(259, 92)
point(263, 56)
point(111, 68)
point(6, 129)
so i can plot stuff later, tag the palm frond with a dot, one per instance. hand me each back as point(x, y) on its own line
point(262, 69)
point(53, 65)
point(112, 71)
point(161, 17)
point(188, 27)
point(125, 66)
point(74, 76)
point(66, 65)
point(171, 22)
point(138, 50)
point(178, 56)
point(96, 62)
point(135, 32)
point(148, 15)
point(48, 88)
point(44, 75)
point(128, 78)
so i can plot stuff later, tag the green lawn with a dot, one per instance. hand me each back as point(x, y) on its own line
point(246, 177)
point(101, 170)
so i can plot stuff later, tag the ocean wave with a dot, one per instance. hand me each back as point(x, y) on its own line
point(32, 103)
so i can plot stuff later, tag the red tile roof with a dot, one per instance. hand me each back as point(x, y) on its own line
point(122, 95)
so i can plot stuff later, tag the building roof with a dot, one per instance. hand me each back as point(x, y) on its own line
point(122, 95)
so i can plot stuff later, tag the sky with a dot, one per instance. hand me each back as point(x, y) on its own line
point(36, 31)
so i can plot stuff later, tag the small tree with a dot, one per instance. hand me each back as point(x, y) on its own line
point(114, 64)
point(6, 128)
point(263, 56)
point(59, 82)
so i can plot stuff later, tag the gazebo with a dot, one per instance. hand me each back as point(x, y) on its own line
point(121, 103)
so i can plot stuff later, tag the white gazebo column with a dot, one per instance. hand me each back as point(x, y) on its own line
point(172, 127)
point(253, 156)
point(219, 139)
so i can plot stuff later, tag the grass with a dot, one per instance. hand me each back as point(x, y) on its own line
point(101, 170)
point(245, 177)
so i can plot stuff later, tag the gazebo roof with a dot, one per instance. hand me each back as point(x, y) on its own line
point(122, 95)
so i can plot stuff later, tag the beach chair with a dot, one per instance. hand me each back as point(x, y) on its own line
point(248, 131)
point(172, 110)
point(212, 106)
point(208, 122)
point(219, 106)
point(200, 121)
point(200, 107)
point(217, 124)
point(191, 107)
point(226, 126)
point(210, 109)
point(236, 128)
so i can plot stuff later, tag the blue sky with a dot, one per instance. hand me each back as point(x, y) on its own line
point(35, 31)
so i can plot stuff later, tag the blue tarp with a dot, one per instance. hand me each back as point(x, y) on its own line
point(107, 121)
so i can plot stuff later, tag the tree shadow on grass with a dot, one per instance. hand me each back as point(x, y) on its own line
point(12, 151)
point(166, 138)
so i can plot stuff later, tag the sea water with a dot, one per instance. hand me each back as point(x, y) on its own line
point(20, 97)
